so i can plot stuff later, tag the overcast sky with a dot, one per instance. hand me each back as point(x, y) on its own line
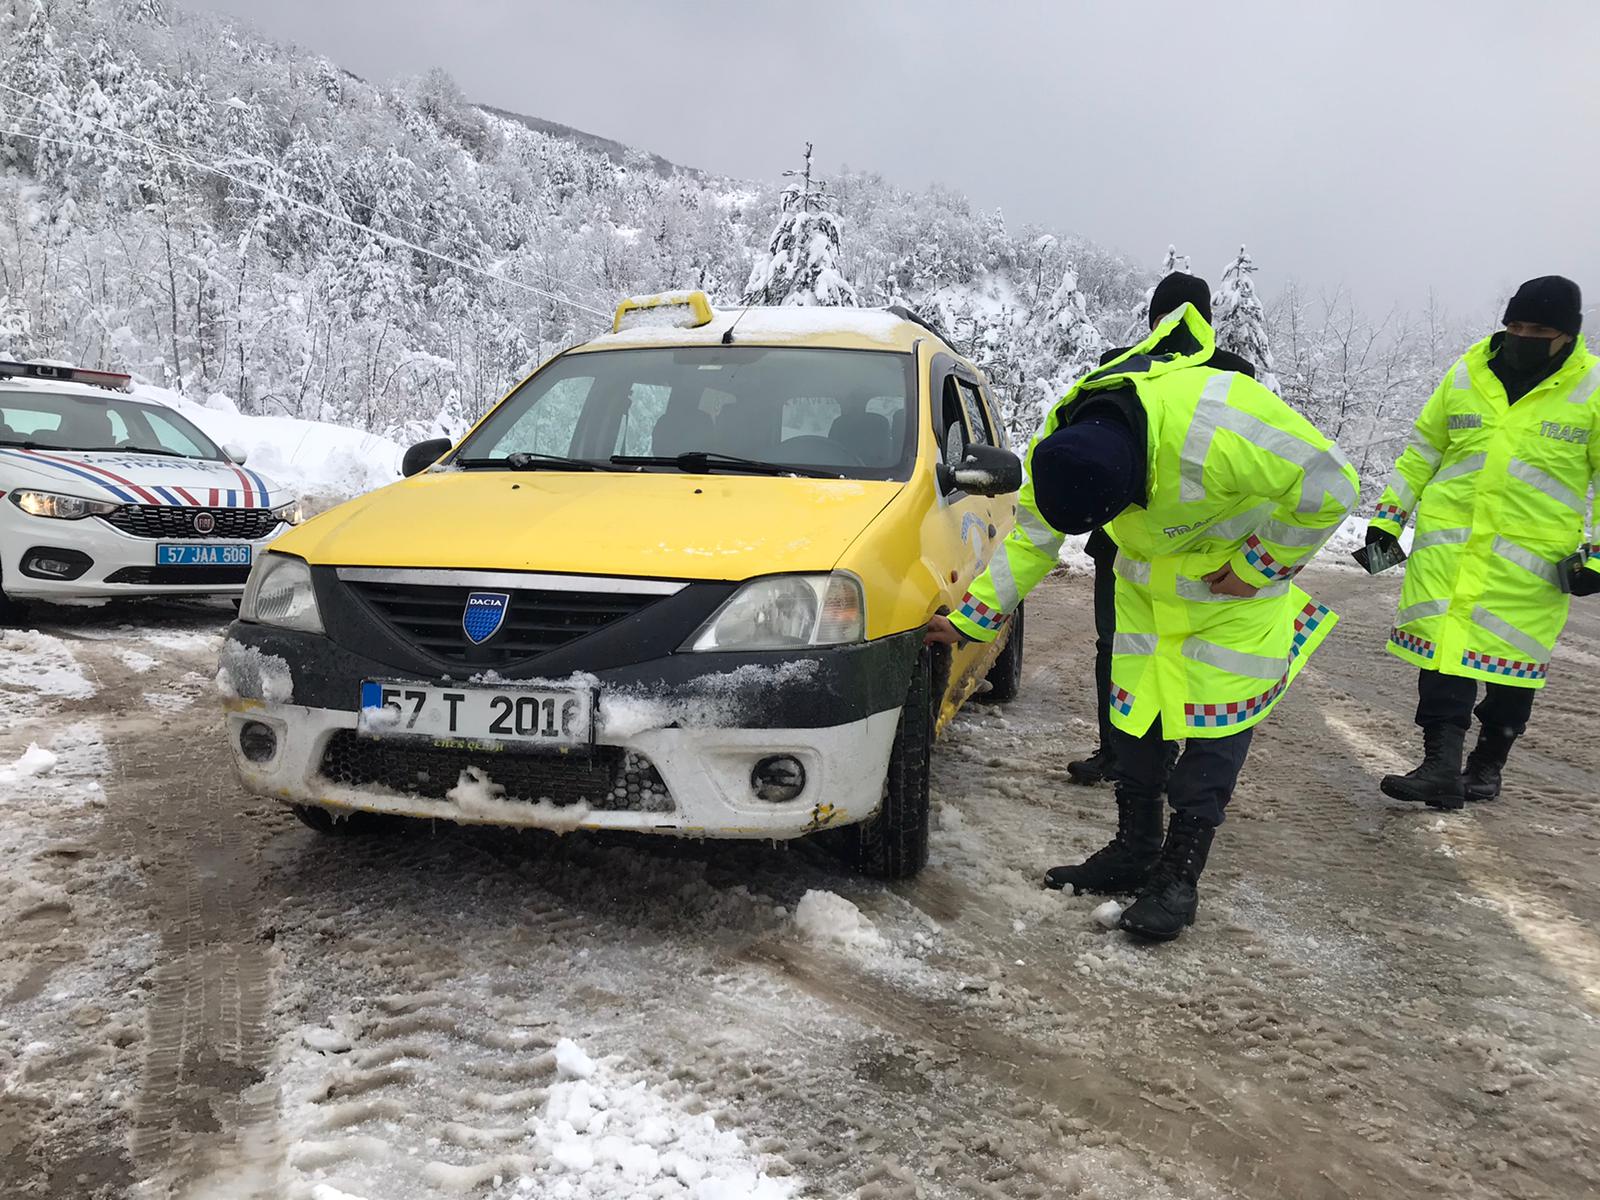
point(1388, 146)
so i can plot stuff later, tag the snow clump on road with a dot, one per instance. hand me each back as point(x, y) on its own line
point(34, 664)
point(826, 917)
point(35, 760)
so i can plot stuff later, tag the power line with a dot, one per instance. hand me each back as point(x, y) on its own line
point(181, 157)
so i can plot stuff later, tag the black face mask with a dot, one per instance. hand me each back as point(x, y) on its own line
point(1525, 355)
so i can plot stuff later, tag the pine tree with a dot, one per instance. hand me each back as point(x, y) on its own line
point(801, 265)
point(1240, 320)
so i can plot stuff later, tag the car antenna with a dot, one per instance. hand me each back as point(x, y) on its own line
point(727, 337)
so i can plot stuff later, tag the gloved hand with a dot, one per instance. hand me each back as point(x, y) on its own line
point(1383, 537)
point(1585, 582)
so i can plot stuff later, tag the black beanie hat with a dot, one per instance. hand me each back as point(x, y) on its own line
point(1548, 300)
point(1085, 474)
point(1174, 290)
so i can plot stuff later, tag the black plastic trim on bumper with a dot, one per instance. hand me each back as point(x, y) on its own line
point(848, 683)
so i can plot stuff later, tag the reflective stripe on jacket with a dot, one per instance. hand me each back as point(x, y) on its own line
point(1236, 477)
point(1500, 495)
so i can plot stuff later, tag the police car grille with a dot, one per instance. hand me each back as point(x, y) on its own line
point(164, 521)
point(609, 779)
point(430, 616)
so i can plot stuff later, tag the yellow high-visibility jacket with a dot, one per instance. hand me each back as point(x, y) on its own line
point(1235, 477)
point(1500, 495)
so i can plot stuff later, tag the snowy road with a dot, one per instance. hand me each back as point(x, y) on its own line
point(201, 998)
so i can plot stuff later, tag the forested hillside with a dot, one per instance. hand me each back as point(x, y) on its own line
point(223, 215)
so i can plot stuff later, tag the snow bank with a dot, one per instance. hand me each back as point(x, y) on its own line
point(35, 665)
point(315, 460)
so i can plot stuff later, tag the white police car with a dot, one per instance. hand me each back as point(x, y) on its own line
point(102, 494)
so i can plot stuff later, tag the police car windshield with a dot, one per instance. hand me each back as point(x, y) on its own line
point(56, 421)
point(842, 413)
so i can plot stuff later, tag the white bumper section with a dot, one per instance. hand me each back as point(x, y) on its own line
point(706, 770)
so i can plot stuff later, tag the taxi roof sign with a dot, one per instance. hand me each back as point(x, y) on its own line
point(673, 310)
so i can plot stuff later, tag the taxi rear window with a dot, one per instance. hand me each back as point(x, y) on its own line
point(849, 411)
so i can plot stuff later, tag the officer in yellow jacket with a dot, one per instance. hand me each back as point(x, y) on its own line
point(1216, 494)
point(1496, 476)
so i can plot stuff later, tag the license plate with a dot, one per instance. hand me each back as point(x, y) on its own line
point(176, 555)
point(555, 717)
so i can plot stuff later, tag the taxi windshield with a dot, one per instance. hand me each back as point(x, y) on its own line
point(844, 412)
point(58, 421)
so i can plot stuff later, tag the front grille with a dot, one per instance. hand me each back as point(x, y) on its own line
point(429, 616)
point(162, 521)
point(179, 575)
point(609, 778)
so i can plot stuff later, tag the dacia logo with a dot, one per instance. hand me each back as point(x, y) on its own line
point(1565, 433)
point(485, 613)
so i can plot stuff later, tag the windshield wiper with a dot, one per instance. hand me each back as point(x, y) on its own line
point(163, 451)
point(27, 445)
point(703, 462)
point(525, 460)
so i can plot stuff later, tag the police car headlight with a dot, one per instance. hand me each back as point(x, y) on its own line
point(784, 612)
point(290, 513)
point(280, 593)
point(63, 508)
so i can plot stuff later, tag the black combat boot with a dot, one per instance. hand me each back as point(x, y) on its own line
point(1097, 768)
point(1122, 865)
point(1481, 779)
point(1437, 782)
point(1168, 900)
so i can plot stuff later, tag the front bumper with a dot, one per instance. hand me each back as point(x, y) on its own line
point(113, 554)
point(700, 722)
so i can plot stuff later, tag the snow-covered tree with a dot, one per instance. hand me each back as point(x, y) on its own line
point(1240, 320)
point(801, 265)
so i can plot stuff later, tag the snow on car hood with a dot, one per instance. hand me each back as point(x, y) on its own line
point(135, 478)
point(597, 523)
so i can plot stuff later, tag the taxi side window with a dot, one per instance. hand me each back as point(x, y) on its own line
point(949, 426)
point(977, 415)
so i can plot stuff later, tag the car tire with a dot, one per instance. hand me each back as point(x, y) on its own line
point(893, 844)
point(352, 824)
point(10, 610)
point(1005, 675)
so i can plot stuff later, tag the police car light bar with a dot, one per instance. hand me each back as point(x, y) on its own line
point(116, 381)
point(672, 310)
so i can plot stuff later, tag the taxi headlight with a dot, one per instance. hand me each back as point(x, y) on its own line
point(290, 514)
point(280, 593)
point(784, 612)
point(62, 508)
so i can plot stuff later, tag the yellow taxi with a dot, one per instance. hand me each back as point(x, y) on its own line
point(675, 582)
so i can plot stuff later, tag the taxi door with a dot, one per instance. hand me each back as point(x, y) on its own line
point(969, 528)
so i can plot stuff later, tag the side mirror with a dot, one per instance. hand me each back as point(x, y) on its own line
point(423, 455)
point(234, 452)
point(988, 471)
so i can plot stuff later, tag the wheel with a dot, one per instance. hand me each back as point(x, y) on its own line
point(894, 843)
point(10, 610)
point(1005, 675)
point(353, 824)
